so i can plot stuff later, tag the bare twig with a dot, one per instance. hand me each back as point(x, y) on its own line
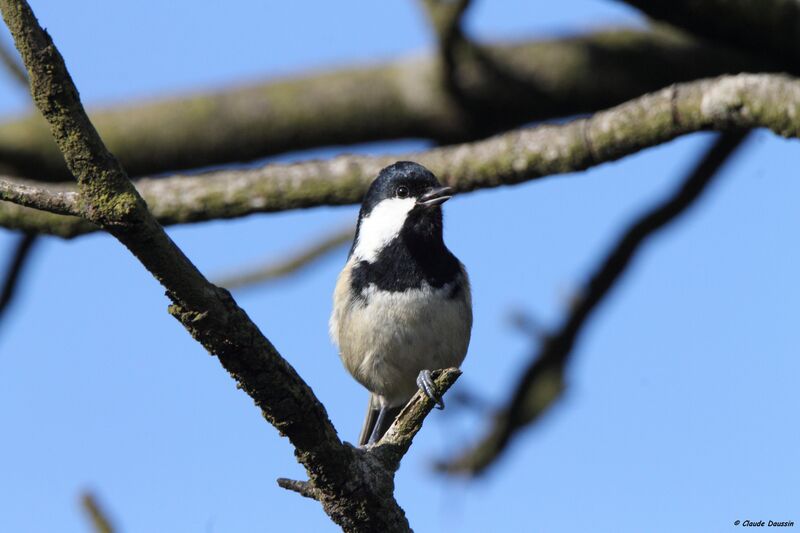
point(98, 517)
point(22, 253)
point(296, 261)
point(722, 104)
point(303, 488)
point(55, 199)
point(542, 382)
point(553, 78)
point(398, 438)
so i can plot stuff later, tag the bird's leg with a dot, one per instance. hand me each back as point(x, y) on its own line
point(426, 385)
point(376, 435)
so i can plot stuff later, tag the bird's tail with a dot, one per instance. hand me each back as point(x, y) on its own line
point(373, 410)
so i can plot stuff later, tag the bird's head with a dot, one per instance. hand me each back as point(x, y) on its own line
point(405, 199)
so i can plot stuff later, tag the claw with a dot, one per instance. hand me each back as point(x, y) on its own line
point(426, 385)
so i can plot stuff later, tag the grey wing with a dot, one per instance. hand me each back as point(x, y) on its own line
point(341, 300)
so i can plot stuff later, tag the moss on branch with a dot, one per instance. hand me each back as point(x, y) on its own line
point(505, 86)
point(719, 104)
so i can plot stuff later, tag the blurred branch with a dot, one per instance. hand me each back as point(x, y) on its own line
point(356, 487)
point(294, 262)
point(721, 104)
point(446, 18)
point(528, 325)
point(770, 28)
point(12, 65)
point(543, 381)
point(528, 81)
point(19, 259)
point(100, 521)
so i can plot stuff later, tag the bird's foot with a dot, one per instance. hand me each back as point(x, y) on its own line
point(426, 385)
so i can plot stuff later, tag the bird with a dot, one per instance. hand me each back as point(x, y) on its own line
point(402, 304)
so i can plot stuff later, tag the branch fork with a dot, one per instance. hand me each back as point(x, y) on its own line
point(383, 457)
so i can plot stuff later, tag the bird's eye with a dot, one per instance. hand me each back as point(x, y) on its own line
point(402, 191)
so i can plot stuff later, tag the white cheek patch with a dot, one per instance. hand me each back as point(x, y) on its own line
point(381, 226)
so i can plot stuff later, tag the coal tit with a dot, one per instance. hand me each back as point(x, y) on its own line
point(402, 305)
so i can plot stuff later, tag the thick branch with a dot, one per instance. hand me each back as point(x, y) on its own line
point(354, 488)
point(767, 27)
point(110, 201)
point(543, 380)
point(721, 104)
point(405, 99)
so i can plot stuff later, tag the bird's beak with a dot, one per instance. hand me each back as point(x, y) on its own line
point(435, 196)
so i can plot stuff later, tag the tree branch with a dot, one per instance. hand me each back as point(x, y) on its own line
point(109, 200)
point(395, 443)
point(530, 81)
point(398, 438)
point(446, 18)
point(56, 199)
point(543, 380)
point(721, 104)
point(355, 489)
point(766, 27)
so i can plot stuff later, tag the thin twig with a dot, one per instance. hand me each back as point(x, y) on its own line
point(97, 515)
point(12, 65)
point(57, 199)
point(398, 438)
point(16, 265)
point(303, 488)
point(296, 261)
point(542, 382)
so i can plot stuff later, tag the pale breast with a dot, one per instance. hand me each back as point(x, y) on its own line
point(386, 338)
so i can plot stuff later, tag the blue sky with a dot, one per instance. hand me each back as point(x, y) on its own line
point(681, 411)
